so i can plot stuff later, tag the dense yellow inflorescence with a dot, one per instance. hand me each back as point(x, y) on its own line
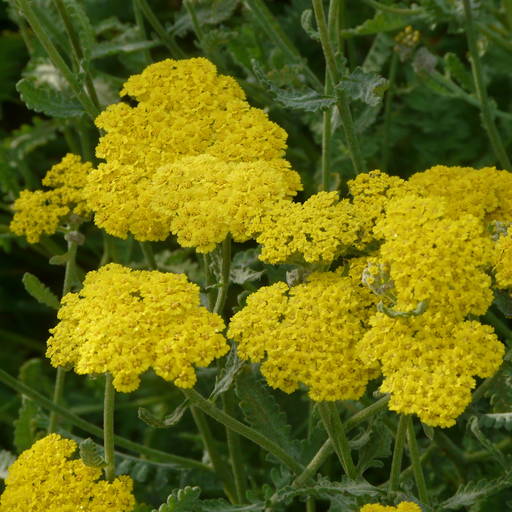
point(184, 109)
point(41, 212)
point(208, 198)
point(45, 478)
point(125, 321)
point(503, 261)
point(405, 506)
point(316, 231)
point(308, 334)
point(431, 273)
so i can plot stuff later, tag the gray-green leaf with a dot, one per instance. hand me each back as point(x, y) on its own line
point(39, 291)
point(91, 454)
point(366, 87)
point(168, 421)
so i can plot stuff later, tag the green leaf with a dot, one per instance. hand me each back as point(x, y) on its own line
point(366, 87)
point(392, 313)
point(91, 454)
point(168, 421)
point(39, 291)
point(474, 492)
point(59, 259)
point(111, 48)
point(306, 20)
point(305, 99)
point(379, 53)
point(378, 447)
point(497, 420)
point(25, 427)
point(381, 22)
point(42, 98)
point(458, 71)
point(208, 12)
point(486, 443)
point(6, 459)
point(227, 375)
point(241, 271)
point(262, 411)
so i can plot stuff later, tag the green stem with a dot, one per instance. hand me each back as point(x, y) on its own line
point(327, 448)
point(272, 28)
point(501, 327)
point(78, 53)
point(235, 452)
point(92, 429)
point(334, 24)
point(58, 392)
point(396, 463)
point(139, 20)
point(224, 284)
point(310, 504)
point(386, 145)
point(108, 428)
point(414, 455)
point(208, 282)
point(341, 98)
point(166, 38)
point(478, 77)
point(507, 4)
point(149, 257)
point(57, 59)
point(219, 466)
point(72, 143)
point(256, 437)
point(326, 139)
point(453, 452)
point(334, 427)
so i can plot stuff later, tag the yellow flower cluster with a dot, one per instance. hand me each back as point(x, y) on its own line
point(483, 193)
point(125, 321)
point(503, 261)
point(429, 361)
point(209, 198)
point(46, 479)
point(435, 256)
point(316, 231)
point(40, 212)
point(405, 506)
point(308, 334)
point(184, 109)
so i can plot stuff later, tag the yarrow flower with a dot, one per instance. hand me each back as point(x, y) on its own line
point(503, 261)
point(404, 506)
point(431, 273)
point(184, 109)
point(307, 334)
point(317, 231)
point(207, 198)
point(45, 478)
point(125, 321)
point(41, 212)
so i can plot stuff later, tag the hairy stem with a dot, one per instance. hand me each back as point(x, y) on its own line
point(108, 428)
point(341, 98)
point(396, 463)
point(334, 427)
point(224, 283)
point(478, 78)
point(414, 455)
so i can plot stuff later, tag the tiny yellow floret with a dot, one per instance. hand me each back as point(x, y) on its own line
point(404, 506)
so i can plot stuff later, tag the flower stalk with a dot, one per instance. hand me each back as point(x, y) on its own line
point(108, 428)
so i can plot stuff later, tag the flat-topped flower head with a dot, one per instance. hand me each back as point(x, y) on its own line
point(404, 506)
point(41, 212)
point(184, 109)
point(307, 334)
point(429, 362)
point(211, 198)
point(317, 231)
point(46, 478)
point(484, 193)
point(126, 321)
